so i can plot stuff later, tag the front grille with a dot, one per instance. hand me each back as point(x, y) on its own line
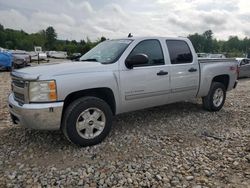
point(18, 83)
point(20, 90)
point(19, 97)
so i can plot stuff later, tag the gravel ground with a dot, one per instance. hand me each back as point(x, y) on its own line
point(178, 145)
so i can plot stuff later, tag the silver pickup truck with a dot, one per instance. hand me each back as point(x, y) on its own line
point(116, 76)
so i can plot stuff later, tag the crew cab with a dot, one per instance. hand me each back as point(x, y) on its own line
point(117, 76)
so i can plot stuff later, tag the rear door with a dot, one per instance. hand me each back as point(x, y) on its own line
point(145, 85)
point(184, 79)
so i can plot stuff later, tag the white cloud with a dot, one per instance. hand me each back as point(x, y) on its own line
point(13, 19)
point(83, 6)
point(75, 19)
point(54, 18)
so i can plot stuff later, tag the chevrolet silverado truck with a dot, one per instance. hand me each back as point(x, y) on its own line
point(117, 76)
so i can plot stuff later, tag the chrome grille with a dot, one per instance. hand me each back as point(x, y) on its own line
point(20, 90)
point(18, 83)
point(19, 97)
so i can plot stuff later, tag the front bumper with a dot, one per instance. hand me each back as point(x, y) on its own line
point(42, 116)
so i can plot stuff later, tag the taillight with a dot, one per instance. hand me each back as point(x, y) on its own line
point(236, 69)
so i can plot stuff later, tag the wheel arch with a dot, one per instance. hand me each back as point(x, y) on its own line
point(103, 93)
point(224, 79)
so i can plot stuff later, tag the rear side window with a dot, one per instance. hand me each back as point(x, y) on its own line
point(179, 52)
point(152, 48)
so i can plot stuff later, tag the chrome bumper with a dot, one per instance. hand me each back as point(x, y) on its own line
point(42, 116)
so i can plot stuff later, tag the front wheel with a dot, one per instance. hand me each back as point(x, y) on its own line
point(87, 121)
point(216, 97)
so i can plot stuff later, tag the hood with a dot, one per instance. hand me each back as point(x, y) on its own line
point(56, 69)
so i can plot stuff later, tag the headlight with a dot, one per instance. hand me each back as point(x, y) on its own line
point(42, 91)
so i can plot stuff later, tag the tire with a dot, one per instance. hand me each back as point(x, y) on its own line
point(80, 113)
point(211, 104)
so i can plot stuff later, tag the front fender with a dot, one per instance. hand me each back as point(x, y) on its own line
point(68, 84)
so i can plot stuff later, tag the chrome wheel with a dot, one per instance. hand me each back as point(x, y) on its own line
point(218, 97)
point(90, 123)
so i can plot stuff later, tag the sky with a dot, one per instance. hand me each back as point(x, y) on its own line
point(79, 19)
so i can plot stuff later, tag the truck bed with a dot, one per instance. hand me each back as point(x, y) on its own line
point(215, 60)
point(210, 68)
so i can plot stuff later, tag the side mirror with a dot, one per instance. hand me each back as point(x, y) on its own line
point(138, 59)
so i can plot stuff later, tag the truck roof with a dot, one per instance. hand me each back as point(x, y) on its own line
point(154, 37)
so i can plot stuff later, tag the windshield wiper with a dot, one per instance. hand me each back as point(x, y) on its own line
point(95, 60)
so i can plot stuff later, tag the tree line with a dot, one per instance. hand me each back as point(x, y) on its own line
point(203, 43)
point(47, 39)
point(233, 47)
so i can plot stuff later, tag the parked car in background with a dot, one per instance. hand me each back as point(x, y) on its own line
point(75, 56)
point(6, 60)
point(57, 54)
point(14, 59)
point(115, 77)
point(38, 54)
point(217, 56)
point(33, 55)
point(202, 55)
point(20, 58)
point(244, 67)
point(212, 56)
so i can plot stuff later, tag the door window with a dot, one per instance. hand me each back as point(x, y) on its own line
point(152, 48)
point(179, 52)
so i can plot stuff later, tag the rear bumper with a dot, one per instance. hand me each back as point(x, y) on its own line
point(42, 116)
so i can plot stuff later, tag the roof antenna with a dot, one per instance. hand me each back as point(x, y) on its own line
point(130, 35)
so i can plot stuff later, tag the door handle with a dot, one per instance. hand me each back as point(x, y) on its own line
point(192, 70)
point(162, 73)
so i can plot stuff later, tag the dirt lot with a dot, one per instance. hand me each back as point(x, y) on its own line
point(178, 145)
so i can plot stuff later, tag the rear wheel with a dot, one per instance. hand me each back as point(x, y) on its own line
point(215, 99)
point(87, 121)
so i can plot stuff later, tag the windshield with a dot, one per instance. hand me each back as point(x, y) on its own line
point(106, 52)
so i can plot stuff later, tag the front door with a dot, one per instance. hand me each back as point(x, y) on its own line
point(145, 85)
